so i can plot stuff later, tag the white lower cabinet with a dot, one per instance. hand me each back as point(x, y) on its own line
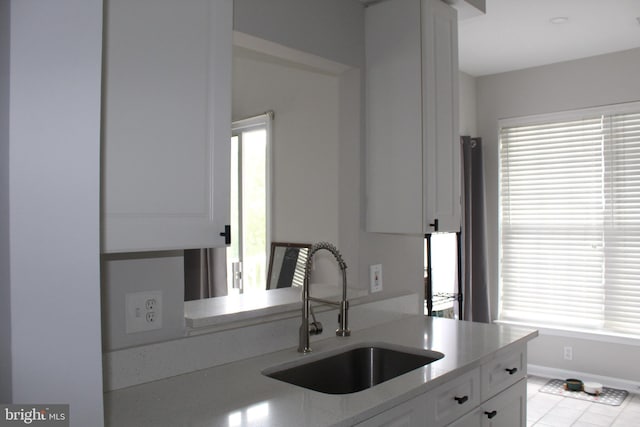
point(491, 395)
point(507, 409)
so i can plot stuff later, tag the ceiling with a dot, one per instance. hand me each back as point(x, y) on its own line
point(518, 34)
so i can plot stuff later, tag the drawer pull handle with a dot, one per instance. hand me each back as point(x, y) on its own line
point(461, 400)
point(512, 370)
point(491, 414)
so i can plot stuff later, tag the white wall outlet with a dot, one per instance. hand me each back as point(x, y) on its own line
point(143, 311)
point(375, 277)
point(568, 353)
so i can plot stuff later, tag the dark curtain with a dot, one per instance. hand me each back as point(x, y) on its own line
point(475, 288)
point(205, 273)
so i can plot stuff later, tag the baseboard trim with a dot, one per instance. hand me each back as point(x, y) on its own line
point(547, 372)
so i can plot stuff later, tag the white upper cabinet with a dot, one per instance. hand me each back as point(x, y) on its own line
point(441, 135)
point(413, 147)
point(166, 124)
point(393, 117)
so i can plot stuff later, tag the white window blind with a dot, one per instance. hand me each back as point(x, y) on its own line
point(570, 222)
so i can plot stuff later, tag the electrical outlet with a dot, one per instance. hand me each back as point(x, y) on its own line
point(151, 316)
point(568, 353)
point(375, 277)
point(143, 311)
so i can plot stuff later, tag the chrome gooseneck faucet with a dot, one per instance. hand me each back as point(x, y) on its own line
point(315, 327)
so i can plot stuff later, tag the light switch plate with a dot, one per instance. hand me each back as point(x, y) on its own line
point(375, 277)
point(143, 311)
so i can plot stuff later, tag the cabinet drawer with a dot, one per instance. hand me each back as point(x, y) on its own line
point(507, 409)
point(453, 399)
point(504, 370)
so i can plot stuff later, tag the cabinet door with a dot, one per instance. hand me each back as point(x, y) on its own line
point(393, 117)
point(507, 409)
point(413, 147)
point(440, 111)
point(167, 124)
point(408, 414)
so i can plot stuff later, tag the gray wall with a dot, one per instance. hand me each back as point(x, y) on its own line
point(304, 198)
point(333, 29)
point(5, 288)
point(600, 80)
point(467, 94)
point(304, 152)
point(55, 74)
point(158, 271)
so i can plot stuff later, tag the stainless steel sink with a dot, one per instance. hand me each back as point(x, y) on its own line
point(355, 369)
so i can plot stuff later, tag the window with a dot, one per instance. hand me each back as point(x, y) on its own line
point(247, 255)
point(570, 220)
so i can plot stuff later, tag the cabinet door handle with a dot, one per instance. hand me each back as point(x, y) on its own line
point(512, 370)
point(226, 234)
point(461, 400)
point(434, 224)
point(491, 414)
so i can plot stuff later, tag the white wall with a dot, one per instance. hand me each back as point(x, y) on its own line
point(334, 29)
point(615, 360)
point(600, 80)
point(304, 151)
point(54, 131)
point(122, 274)
point(5, 288)
point(467, 103)
point(350, 184)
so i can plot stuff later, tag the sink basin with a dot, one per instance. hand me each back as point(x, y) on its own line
point(355, 369)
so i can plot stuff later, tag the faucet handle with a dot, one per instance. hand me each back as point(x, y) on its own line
point(315, 327)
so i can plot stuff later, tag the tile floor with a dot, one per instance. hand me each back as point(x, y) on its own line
point(547, 410)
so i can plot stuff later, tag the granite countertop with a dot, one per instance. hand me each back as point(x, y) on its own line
point(237, 394)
